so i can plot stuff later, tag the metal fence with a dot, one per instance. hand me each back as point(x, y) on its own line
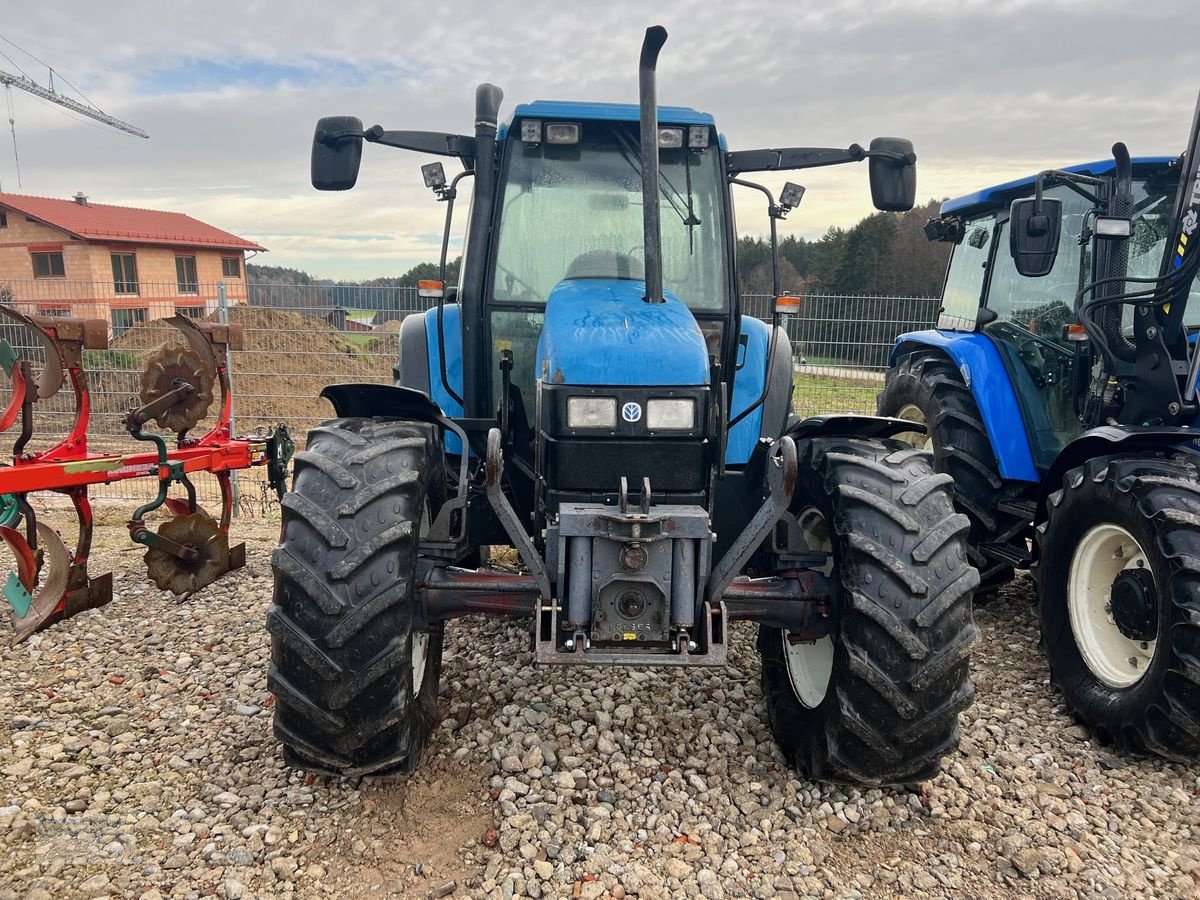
point(300, 338)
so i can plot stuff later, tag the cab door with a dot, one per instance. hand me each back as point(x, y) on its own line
point(1029, 329)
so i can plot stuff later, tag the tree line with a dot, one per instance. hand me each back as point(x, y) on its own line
point(884, 254)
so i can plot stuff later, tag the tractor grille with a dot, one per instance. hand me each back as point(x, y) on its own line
point(587, 466)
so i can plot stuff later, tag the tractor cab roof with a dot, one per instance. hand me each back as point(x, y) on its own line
point(1000, 195)
point(602, 112)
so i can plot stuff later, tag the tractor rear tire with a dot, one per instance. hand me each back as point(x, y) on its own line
point(884, 707)
point(929, 384)
point(1131, 673)
point(355, 686)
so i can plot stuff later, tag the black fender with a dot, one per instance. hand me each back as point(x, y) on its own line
point(1108, 440)
point(850, 426)
point(365, 400)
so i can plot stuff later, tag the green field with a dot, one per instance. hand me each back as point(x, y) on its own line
point(821, 394)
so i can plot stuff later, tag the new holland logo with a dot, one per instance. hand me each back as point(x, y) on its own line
point(631, 412)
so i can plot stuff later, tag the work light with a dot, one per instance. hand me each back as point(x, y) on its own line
point(670, 137)
point(698, 137)
point(531, 131)
point(562, 132)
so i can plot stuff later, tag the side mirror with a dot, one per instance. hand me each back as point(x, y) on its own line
point(893, 173)
point(336, 153)
point(1034, 228)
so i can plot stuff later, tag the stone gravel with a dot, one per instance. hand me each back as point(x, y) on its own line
point(136, 759)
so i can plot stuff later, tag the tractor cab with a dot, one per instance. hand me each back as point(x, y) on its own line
point(1032, 321)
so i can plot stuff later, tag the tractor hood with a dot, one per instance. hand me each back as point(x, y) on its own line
point(599, 331)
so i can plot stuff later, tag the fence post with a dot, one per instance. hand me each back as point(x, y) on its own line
point(223, 318)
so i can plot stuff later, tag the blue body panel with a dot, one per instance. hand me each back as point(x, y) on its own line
point(985, 375)
point(748, 383)
point(998, 195)
point(599, 331)
point(452, 326)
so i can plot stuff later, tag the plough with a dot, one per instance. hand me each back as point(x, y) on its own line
point(190, 549)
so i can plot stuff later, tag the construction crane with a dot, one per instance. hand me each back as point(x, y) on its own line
point(48, 93)
point(27, 84)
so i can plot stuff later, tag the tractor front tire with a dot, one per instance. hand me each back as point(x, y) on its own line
point(355, 686)
point(1118, 595)
point(926, 387)
point(877, 701)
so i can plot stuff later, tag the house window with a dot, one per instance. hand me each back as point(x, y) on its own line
point(48, 265)
point(124, 319)
point(185, 274)
point(57, 311)
point(3, 220)
point(192, 312)
point(231, 267)
point(124, 268)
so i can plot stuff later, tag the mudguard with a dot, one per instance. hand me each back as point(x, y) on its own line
point(389, 401)
point(985, 375)
point(1108, 440)
point(849, 426)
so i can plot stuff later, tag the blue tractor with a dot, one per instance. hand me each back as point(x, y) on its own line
point(1059, 391)
point(591, 396)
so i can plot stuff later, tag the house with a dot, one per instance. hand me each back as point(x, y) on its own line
point(123, 264)
point(344, 319)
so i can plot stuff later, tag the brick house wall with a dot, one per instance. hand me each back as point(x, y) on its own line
point(87, 286)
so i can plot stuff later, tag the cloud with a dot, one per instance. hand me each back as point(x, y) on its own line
point(230, 92)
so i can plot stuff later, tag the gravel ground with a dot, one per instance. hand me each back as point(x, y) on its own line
point(137, 760)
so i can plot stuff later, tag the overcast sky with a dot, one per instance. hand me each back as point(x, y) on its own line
point(229, 94)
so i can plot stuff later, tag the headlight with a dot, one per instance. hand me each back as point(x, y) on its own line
point(671, 414)
point(591, 412)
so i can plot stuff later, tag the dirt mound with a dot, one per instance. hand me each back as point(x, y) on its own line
point(285, 361)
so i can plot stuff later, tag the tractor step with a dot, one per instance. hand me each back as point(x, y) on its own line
point(1008, 553)
point(1022, 509)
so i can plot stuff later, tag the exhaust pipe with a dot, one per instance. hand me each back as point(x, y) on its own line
point(656, 36)
point(487, 109)
point(1117, 265)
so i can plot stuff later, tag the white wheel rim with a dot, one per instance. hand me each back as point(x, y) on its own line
point(810, 664)
point(921, 440)
point(1102, 554)
point(420, 652)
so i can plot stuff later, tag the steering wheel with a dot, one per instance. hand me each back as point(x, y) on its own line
point(527, 294)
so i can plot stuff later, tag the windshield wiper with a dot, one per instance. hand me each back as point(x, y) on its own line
point(630, 155)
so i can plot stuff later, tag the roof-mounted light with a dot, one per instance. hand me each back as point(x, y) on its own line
point(698, 137)
point(670, 138)
point(562, 132)
point(531, 131)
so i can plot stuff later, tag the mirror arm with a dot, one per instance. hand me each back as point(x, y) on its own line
point(774, 160)
point(437, 143)
point(1072, 180)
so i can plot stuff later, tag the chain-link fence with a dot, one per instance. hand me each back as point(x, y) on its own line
point(299, 338)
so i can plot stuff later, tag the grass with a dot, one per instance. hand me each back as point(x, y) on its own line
point(824, 394)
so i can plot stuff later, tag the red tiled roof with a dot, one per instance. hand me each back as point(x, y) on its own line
point(127, 224)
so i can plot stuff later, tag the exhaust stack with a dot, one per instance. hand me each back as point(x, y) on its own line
point(656, 36)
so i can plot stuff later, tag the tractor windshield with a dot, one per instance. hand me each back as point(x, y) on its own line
point(1153, 207)
point(575, 211)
